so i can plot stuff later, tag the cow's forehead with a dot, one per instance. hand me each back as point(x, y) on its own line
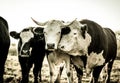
point(54, 25)
point(76, 25)
point(26, 35)
point(54, 22)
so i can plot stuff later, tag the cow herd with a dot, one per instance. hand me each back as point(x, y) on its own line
point(80, 44)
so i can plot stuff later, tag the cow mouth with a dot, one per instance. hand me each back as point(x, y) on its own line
point(50, 49)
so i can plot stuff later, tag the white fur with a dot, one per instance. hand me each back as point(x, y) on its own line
point(55, 59)
point(52, 32)
point(25, 37)
point(74, 43)
point(94, 60)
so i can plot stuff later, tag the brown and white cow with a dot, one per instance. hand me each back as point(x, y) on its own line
point(87, 38)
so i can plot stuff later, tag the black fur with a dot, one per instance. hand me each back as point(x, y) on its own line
point(36, 57)
point(4, 45)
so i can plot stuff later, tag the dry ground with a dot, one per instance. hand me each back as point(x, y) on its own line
point(13, 72)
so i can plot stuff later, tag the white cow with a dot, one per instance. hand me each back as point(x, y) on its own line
point(52, 32)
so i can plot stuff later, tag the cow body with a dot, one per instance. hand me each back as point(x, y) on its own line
point(4, 45)
point(93, 41)
point(31, 50)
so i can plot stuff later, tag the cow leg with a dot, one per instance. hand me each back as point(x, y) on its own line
point(25, 69)
point(67, 61)
point(79, 63)
point(35, 72)
point(3, 57)
point(37, 69)
point(2, 70)
point(59, 74)
point(109, 68)
point(79, 74)
point(96, 73)
point(51, 67)
point(1, 73)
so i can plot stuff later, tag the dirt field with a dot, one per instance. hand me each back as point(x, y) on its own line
point(13, 72)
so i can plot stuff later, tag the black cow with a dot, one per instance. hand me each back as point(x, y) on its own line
point(88, 38)
point(31, 50)
point(4, 45)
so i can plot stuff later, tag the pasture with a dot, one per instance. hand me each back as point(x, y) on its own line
point(13, 72)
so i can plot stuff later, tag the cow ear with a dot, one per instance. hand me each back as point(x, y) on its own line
point(84, 29)
point(14, 34)
point(65, 30)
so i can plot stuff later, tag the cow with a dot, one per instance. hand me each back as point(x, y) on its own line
point(31, 50)
point(4, 45)
point(88, 38)
point(53, 31)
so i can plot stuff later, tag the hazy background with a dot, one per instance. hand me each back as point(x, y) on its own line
point(18, 12)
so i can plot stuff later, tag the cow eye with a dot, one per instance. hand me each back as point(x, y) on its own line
point(75, 33)
point(58, 32)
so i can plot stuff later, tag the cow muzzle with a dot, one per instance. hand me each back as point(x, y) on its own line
point(50, 46)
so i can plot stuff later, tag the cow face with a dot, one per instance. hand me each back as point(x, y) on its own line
point(75, 42)
point(26, 37)
point(94, 60)
point(52, 32)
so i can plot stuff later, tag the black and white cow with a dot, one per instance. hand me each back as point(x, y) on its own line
point(4, 45)
point(88, 38)
point(53, 31)
point(31, 50)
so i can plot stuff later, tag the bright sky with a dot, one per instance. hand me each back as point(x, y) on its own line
point(18, 12)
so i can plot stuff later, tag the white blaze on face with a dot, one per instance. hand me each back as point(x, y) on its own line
point(94, 60)
point(73, 42)
point(25, 37)
point(52, 33)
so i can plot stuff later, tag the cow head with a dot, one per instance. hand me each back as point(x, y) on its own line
point(26, 39)
point(94, 60)
point(52, 32)
point(75, 42)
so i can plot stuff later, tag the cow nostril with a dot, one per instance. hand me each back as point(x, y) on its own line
point(62, 47)
point(51, 46)
point(75, 33)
